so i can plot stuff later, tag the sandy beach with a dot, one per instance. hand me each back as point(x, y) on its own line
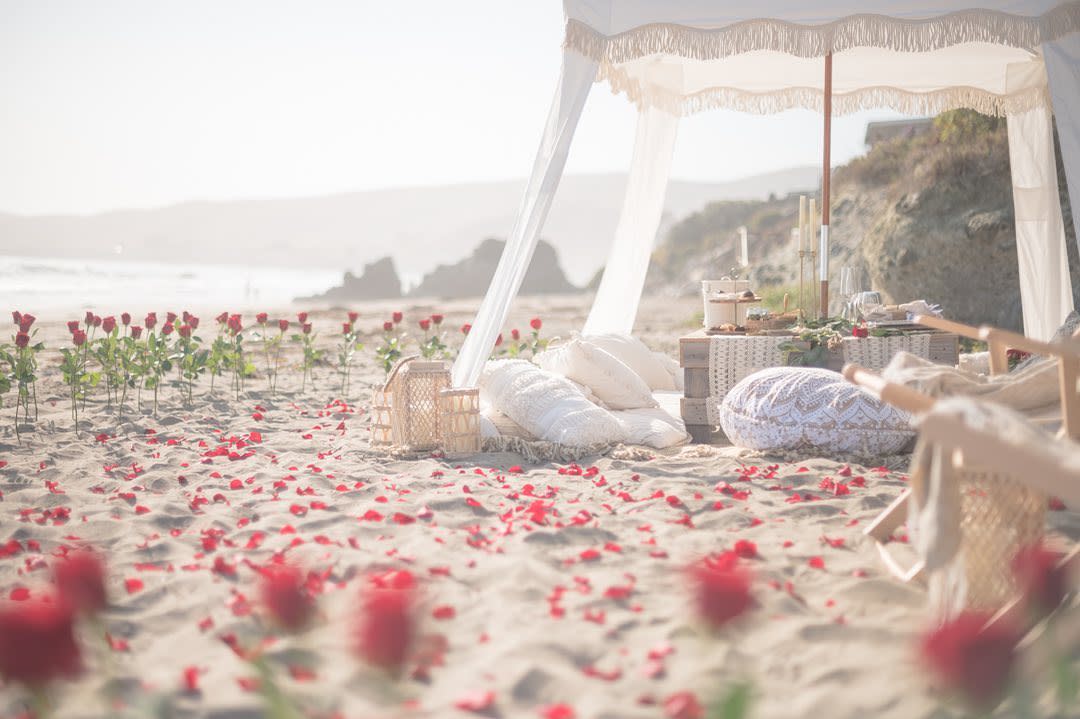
point(543, 584)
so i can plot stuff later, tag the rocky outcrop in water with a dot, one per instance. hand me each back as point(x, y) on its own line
point(471, 276)
point(379, 281)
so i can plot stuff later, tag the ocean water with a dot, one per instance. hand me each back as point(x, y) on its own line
point(49, 285)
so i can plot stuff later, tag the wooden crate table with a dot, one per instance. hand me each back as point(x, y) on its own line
point(694, 353)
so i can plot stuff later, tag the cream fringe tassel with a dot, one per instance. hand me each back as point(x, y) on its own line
point(849, 32)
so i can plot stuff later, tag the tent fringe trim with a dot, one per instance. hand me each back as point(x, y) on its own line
point(864, 30)
point(903, 101)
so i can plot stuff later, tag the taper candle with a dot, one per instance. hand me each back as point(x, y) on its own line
point(803, 246)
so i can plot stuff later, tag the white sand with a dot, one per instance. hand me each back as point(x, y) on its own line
point(835, 641)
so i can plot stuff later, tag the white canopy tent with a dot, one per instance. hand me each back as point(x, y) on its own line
point(1013, 58)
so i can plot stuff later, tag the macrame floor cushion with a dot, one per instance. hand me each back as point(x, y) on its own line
point(805, 408)
point(609, 378)
point(546, 405)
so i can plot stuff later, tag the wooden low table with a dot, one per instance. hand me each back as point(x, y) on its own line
point(694, 359)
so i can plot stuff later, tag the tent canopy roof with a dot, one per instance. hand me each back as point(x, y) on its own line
point(921, 58)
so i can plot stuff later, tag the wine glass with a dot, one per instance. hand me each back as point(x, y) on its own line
point(847, 291)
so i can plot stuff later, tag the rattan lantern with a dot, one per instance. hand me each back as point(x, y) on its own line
point(406, 410)
point(459, 421)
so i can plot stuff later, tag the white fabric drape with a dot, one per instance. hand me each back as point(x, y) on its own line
point(1062, 59)
point(578, 75)
point(1045, 287)
point(616, 303)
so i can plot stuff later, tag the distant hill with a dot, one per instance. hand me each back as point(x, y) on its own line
point(924, 217)
point(420, 228)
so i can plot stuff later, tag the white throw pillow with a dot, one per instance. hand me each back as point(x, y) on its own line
point(547, 405)
point(612, 381)
point(637, 356)
point(652, 427)
point(808, 408)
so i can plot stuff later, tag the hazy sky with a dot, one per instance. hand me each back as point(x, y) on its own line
point(135, 103)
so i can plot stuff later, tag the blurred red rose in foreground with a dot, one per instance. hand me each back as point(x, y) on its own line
point(353, 316)
point(125, 318)
point(535, 323)
point(1041, 581)
point(973, 661)
point(185, 331)
point(466, 328)
point(286, 598)
point(151, 320)
point(301, 317)
point(37, 642)
point(425, 324)
point(387, 624)
point(26, 322)
point(437, 319)
point(80, 581)
point(73, 326)
point(721, 589)
point(397, 317)
point(261, 318)
point(306, 328)
point(388, 326)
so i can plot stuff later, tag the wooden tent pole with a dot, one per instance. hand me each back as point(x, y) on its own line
point(823, 247)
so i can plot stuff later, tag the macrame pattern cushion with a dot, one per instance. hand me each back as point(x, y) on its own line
point(874, 353)
point(805, 408)
point(734, 357)
point(547, 405)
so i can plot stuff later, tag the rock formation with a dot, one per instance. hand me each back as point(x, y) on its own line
point(471, 276)
point(379, 281)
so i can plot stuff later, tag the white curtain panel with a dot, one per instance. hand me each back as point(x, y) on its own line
point(1045, 287)
point(1062, 59)
point(578, 75)
point(616, 303)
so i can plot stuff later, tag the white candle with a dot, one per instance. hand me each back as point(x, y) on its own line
point(811, 224)
point(802, 223)
point(745, 257)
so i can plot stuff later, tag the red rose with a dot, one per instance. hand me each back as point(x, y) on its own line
point(721, 589)
point(301, 317)
point(235, 324)
point(535, 323)
point(150, 320)
point(353, 316)
point(282, 325)
point(37, 642)
point(97, 321)
point(108, 324)
point(1042, 582)
point(73, 326)
point(193, 321)
point(222, 318)
point(125, 318)
point(185, 331)
point(346, 328)
point(26, 322)
point(167, 330)
point(973, 661)
point(397, 317)
point(170, 318)
point(136, 332)
point(466, 328)
point(436, 319)
point(286, 598)
point(387, 623)
point(498, 340)
point(425, 325)
point(388, 326)
point(306, 328)
point(22, 340)
point(185, 316)
point(515, 334)
point(89, 318)
point(16, 316)
point(78, 338)
point(80, 581)
point(261, 318)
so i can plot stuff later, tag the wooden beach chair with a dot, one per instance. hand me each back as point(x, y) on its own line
point(1003, 500)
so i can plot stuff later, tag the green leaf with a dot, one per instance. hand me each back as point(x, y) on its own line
point(1067, 683)
point(735, 704)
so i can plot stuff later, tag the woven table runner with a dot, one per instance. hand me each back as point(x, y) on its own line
point(874, 353)
point(731, 358)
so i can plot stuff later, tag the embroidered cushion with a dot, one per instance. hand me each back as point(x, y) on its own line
point(785, 408)
point(610, 379)
point(546, 405)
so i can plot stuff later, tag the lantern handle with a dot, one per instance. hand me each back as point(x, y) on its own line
point(393, 373)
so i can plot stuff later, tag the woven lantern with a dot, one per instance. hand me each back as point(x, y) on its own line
point(406, 410)
point(459, 421)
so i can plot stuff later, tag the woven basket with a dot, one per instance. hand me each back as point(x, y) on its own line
point(406, 410)
point(459, 421)
point(1000, 515)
